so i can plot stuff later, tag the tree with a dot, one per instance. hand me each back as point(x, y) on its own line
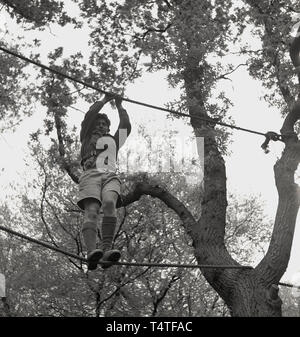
point(181, 37)
point(182, 46)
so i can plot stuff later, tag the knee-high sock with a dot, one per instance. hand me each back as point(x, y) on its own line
point(89, 233)
point(108, 231)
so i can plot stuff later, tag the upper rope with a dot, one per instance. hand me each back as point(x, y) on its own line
point(274, 137)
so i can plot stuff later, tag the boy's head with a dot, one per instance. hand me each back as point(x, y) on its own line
point(102, 124)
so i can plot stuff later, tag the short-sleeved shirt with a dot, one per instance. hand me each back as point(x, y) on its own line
point(100, 151)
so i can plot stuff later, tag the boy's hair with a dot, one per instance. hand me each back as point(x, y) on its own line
point(103, 116)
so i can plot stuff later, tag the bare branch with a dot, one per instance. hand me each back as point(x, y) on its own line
point(76, 109)
point(158, 298)
point(130, 280)
point(130, 77)
point(44, 190)
point(293, 9)
point(167, 3)
point(230, 72)
point(157, 30)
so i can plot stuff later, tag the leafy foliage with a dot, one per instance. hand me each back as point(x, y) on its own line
point(272, 23)
point(37, 13)
point(15, 97)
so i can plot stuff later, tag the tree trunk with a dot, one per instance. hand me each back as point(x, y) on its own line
point(208, 235)
point(251, 293)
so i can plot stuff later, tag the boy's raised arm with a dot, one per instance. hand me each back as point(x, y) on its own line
point(124, 127)
point(124, 118)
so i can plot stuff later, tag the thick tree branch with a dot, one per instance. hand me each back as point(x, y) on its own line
point(293, 116)
point(62, 152)
point(274, 264)
point(54, 106)
point(172, 202)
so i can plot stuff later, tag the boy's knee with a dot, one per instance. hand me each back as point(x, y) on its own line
point(91, 212)
point(108, 206)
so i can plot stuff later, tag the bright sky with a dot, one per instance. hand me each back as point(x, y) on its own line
point(249, 169)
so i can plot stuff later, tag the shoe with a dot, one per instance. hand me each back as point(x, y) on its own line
point(110, 257)
point(93, 258)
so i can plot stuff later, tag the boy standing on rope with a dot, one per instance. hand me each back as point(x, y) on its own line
point(99, 184)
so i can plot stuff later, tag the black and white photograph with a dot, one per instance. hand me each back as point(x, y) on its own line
point(149, 162)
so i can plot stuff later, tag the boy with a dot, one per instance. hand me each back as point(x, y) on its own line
point(99, 184)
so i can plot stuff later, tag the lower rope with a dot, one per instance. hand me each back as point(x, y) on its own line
point(161, 265)
point(137, 264)
point(44, 244)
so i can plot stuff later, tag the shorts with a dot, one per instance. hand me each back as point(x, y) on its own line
point(92, 184)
